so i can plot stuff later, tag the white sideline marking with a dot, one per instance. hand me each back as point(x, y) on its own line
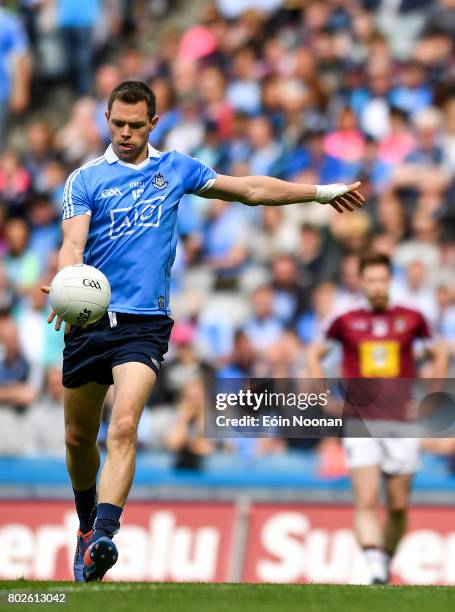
point(106, 586)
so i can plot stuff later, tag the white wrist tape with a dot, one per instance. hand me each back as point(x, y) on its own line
point(326, 193)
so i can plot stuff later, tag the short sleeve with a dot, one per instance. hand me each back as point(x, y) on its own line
point(423, 328)
point(333, 329)
point(18, 38)
point(196, 177)
point(75, 197)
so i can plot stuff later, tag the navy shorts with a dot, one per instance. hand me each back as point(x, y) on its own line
point(90, 353)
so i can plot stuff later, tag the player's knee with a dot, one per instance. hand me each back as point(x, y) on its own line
point(368, 503)
point(77, 441)
point(122, 432)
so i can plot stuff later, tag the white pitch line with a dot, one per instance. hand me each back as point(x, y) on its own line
point(92, 587)
point(103, 587)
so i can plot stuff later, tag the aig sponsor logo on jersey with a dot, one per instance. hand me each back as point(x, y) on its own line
point(144, 213)
point(108, 193)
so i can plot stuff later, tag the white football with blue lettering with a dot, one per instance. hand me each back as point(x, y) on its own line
point(80, 294)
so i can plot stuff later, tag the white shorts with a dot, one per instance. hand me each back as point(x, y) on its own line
point(393, 455)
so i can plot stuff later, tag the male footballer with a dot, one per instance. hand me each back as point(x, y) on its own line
point(378, 340)
point(119, 215)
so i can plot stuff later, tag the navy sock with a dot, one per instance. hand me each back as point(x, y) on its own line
point(107, 521)
point(85, 507)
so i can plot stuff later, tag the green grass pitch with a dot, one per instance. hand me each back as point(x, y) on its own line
point(195, 597)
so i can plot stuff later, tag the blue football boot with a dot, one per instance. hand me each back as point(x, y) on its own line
point(83, 541)
point(99, 557)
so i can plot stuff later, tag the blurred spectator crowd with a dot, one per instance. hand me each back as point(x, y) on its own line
point(303, 90)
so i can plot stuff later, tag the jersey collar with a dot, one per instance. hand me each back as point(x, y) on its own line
point(391, 304)
point(111, 157)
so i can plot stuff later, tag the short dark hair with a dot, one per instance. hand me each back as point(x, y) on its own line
point(132, 92)
point(375, 259)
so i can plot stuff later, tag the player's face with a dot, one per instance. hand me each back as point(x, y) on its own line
point(129, 129)
point(376, 285)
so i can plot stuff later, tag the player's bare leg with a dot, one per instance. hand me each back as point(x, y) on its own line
point(366, 482)
point(398, 487)
point(82, 407)
point(133, 383)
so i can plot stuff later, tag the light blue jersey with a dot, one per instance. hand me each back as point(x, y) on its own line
point(133, 228)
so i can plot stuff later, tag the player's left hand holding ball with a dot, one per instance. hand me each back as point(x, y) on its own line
point(79, 295)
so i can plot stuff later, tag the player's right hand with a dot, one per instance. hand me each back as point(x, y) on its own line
point(58, 323)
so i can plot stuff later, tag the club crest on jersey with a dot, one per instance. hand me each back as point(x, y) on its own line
point(400, 325)
point(159, 181)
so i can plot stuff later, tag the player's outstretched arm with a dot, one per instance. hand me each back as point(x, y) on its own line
point(269, 191)
point(75, 233)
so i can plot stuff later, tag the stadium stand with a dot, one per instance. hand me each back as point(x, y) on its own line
point(305, 91)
